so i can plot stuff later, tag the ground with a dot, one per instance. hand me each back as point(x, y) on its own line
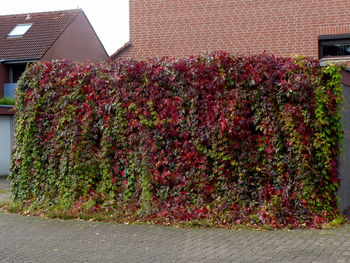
point(35, 239)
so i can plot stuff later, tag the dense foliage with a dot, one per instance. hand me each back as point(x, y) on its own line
point(230, 139)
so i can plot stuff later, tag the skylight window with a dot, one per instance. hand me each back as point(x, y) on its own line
point(19, 30)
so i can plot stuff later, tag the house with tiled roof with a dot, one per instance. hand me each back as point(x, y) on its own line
point(44, 36)
point(26, 38)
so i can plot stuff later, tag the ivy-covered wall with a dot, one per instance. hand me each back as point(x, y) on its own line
point(230, 139)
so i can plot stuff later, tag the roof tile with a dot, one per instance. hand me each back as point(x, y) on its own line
point(47, 27)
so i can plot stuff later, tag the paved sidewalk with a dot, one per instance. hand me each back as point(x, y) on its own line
point(5, 193)
point(35, 239)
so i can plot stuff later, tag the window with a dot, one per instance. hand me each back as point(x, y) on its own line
point(334, 46)
point(19, 30)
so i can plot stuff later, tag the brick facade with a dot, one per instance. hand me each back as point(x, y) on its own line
point(180, 28)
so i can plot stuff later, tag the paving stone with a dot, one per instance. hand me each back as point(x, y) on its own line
point(35, 239)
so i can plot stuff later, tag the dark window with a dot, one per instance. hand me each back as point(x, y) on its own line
point(334, 46)
point(18, 69)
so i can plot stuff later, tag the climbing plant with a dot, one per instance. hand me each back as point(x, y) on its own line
point(231, 139)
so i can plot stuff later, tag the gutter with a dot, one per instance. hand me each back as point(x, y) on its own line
point(6, 106)
point(19, 61)
point(116, 54)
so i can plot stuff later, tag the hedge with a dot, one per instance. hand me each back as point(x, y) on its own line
point(7, 101)
point(227, 139)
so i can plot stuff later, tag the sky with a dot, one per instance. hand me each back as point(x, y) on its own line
point(109, 18)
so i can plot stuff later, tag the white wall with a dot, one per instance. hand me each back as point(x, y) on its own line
point(6, 137)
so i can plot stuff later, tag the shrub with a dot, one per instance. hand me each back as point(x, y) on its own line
point(225, 138)
point(7, 101)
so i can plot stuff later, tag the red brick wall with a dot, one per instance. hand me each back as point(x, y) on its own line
point(179, 28)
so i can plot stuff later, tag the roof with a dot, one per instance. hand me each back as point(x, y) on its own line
point(116, 54)
point(46, 28)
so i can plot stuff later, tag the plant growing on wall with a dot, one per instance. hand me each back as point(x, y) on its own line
point(230, 139)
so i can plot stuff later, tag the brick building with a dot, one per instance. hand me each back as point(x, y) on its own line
point(26, 38)
point(180, 28)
